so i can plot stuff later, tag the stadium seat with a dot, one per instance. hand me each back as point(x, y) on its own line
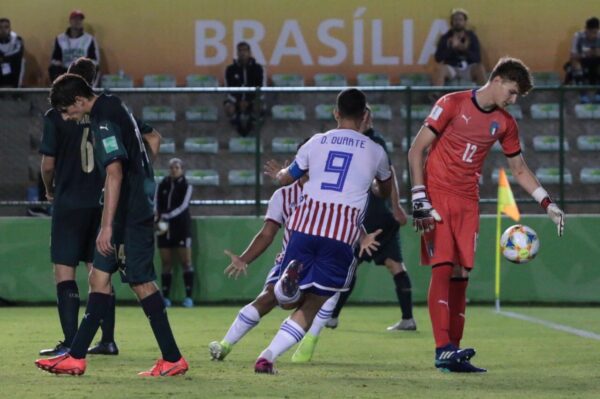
point(202, 177)
point(330, 79)
point(545, 111)
point(201, 81)
point(202, 113)
point(509, 175)
point(159, 81)
point(203, 144)
point(590, 175)
point(587, 111)
point(242, 177)
point(243, 145)
point(167, 146)
point(158, 113)
point(418, 111)
point(389, 144)
point(548, 143)
point(324, 112)
point(552, 175)
point(291, 112)
point(159, 174)
point(373, 79)
point(588, 143)
point(287, 80)
point(381, 112)
point(515, 110)
point(116, 82)
point(285, 144)
point(415, 79)
point(546, 78)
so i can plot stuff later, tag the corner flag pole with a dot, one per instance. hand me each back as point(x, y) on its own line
point(498, 228)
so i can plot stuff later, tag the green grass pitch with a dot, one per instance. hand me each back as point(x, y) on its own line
point(357, 360)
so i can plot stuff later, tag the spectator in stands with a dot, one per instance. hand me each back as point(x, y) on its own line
point(11, 56)
point(174, 227)
point(458, 54)
point(584, 66)
point(72, 44)
point(244, 72)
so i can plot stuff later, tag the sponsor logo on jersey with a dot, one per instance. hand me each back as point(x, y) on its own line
point(494, 128)
point(436, 112)
point(466, 118)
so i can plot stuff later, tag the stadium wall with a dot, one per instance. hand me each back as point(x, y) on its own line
point(184, 37)
point(565, 270)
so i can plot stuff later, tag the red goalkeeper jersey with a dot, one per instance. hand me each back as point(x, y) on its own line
point(465, 134)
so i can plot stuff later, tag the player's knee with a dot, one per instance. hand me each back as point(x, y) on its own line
point(143, 290)
point(63, 273)
point(99, 282)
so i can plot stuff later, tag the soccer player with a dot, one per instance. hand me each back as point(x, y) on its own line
point(342, 164)
point(125, 240)
point(458, 134)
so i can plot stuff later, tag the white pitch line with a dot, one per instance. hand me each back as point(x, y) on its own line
point(549, 324)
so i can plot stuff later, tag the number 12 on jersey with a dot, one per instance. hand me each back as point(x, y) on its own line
point(469, 152)
point(337, 162)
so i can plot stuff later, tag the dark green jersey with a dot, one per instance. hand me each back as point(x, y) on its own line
point(77, 181)
point(117, 138)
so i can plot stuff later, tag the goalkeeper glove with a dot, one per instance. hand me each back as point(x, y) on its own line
point(553, 211)
point(424, 216)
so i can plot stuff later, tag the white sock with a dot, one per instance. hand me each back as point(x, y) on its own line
point(245, 321)
point(289, 334)
point(323, 315)
point(282, 298)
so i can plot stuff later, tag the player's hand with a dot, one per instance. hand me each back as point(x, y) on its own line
point(236, 267)
point(272, 167)
point(400, 214)
point(104, 241)
point(557, 216)
point(369, 243)
point(424, 216)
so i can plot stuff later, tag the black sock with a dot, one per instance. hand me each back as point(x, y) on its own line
point(166, 284)
point(68, 302)
point(343, 298)
point(404, 293)
point(94, 313)
point(108, 324)
point(154, 307)
point(188, 282)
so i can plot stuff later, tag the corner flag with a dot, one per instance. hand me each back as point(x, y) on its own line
point(508, 206)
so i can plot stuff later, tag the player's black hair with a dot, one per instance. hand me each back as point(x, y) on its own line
point(66, 87)
point(515, 70)
point(351, 103)
point(3, 19)
point(85, 68)
point(592, 23)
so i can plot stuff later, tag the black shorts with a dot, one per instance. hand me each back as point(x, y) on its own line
point(134, 253)
point(73, 235)
point(179, 235)
point(389, 246)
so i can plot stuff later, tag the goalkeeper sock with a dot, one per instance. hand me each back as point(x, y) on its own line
point(437, 301)
point(188, 281)
point(245, 321)
point(323, 315)
point(457, 304)
point(289, 334)
point(404, 294)
point(68, 302)
point(166, 283)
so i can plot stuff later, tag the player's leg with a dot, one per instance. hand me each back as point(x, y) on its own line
point(306, 348)
point(404, 294)
point(292, 330)
point(166, 277)
point(335, 315)
point(107, 344)
point(185, 256)
point(457, 301)
point(248, 318)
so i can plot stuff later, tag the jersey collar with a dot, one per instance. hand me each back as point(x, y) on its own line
point(474, 99)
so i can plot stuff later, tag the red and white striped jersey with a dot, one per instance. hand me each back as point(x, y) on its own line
point(281, 206)
point(342, 164)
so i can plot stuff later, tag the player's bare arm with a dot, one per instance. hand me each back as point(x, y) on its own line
point(261, 241)
point(112, 191)
point(47, 170)
point(153, 139)
point(531, 184)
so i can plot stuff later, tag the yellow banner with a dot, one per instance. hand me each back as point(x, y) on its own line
point(182, 37)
